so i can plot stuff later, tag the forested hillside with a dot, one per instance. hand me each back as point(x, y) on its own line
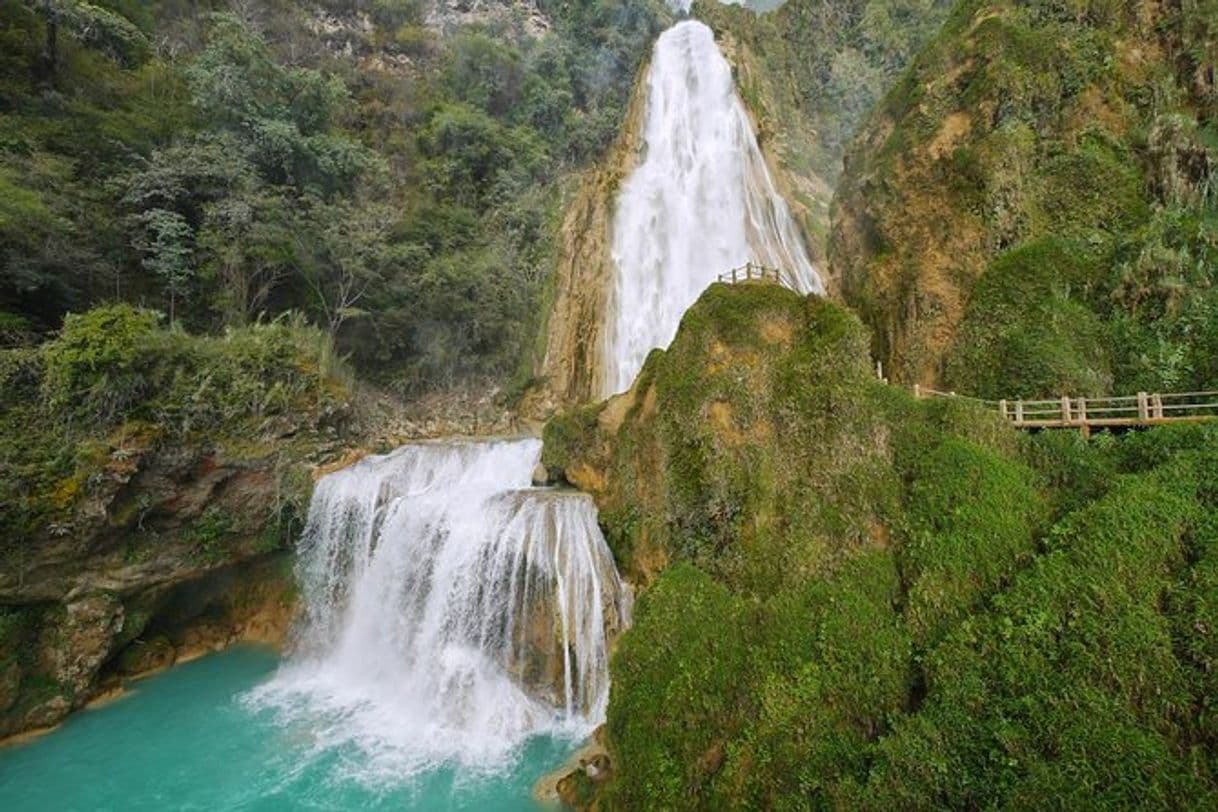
point(1033, 209)
point(223, 163)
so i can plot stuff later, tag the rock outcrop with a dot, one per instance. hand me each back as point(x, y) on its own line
point(992, 211)
point(755, 415)
point(571, 366)
point(174, 549)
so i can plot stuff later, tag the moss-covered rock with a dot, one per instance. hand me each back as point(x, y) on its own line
point(1025, 212)
point(753, 447)
point(139, 465)
point(858, 600)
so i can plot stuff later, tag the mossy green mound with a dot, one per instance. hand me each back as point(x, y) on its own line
point(859, 600)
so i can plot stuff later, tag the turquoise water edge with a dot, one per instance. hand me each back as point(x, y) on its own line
point(186, 740)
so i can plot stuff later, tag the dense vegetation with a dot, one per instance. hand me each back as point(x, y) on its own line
point(115, 382)
point(829, 62)
point(340, 159)
point(1033, 209)
point(860, 600)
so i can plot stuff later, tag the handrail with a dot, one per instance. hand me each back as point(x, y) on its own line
point(1141, 409)
point(751, 272)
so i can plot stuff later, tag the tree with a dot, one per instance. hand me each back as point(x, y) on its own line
point(344, 257)
point(91, 25)
point(166, 245)
point(281, 119)
point(247, 243)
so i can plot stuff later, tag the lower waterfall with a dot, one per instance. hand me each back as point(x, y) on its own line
point(451, 611)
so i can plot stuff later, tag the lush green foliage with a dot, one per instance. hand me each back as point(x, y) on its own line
point(832, 61)
point(115, 379)
point(396, 186)
point(875, 602)
point(1032, 208)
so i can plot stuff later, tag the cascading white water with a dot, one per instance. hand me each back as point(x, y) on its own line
point(451, 610)
point(701, 203)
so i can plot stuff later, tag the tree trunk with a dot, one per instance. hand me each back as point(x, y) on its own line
point(48, 67)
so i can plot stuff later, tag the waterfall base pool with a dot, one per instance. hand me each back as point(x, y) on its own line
point(186, 740)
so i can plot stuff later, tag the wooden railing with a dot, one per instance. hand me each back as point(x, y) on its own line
point(752, 272)
point(1085, 414)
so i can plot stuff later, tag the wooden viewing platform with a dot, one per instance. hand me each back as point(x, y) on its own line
point(1085, 414)
point(752, 272)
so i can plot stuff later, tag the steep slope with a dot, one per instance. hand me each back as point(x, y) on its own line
point(1032, 209)
point(571, 359)
point(809, 71)
point(852, 599)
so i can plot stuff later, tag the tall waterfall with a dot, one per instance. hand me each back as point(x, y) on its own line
point(451, 611)
point(701, 202)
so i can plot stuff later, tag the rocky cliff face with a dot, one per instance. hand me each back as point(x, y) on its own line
point(1013, 211)
point(570, 367)
point(176, 548)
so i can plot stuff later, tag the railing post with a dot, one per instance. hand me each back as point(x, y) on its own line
point(1019, 412)
point(1157, 403)
point(1143, 410)
point(1082, 410)
point(1066, 409)
point(1002, 409)
point(733, 276)
point(917, 391)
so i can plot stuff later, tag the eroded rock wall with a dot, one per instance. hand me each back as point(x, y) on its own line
point(176, 548)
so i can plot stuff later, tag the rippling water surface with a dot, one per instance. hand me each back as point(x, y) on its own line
point(191, 739)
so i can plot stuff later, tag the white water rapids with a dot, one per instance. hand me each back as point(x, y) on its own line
point(701, 203)
point(451, 610)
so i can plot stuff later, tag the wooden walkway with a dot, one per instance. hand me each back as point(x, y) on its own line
point(1086, 414)
point(752, 272)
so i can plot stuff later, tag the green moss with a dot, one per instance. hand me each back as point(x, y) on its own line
point(210, 532)
point(971, 521)
point(1068, 690)
point(563, 435)
point(871, 601)
point(1026, 333)
point(677, 690)
point(832, 666)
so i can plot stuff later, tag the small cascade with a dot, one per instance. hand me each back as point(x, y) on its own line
point(451, 610)
point(701, 203)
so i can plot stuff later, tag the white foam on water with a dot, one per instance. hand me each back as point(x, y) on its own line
point(451, 612)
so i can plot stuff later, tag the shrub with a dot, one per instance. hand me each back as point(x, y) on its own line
point(972, 520)
point(101, 363)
